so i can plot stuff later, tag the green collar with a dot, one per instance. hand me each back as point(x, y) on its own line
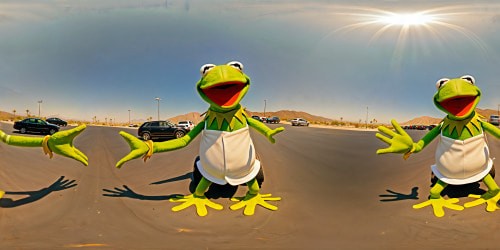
point(230, 117)
point(469, 123)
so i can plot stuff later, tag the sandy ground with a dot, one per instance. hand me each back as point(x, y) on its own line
point(336, 194)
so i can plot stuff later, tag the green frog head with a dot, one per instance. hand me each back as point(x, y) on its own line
point(223, 86)
point(457, 97)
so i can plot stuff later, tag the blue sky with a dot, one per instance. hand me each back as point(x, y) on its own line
point(330, 58)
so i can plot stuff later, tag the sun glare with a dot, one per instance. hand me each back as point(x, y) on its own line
point(407, 19)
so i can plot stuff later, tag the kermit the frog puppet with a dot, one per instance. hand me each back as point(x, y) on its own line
point(462, 154)
point(227, 154)
point(60, 143)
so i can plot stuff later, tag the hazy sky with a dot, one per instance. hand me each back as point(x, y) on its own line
point(330, 58)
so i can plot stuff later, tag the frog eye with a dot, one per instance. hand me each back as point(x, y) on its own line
point(236, 65)
point(469, 78)
point(205, 68)
point(441, 82)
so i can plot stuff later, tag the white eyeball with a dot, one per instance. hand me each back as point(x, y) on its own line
point(441, 82)
point(469, 78)
point(236, 65)
point(205, 68)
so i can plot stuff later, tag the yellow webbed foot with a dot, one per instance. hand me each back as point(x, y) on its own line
point(250, 201)
point(201, 203)
point(438, 204)
point(1, 194)
point(490, 198)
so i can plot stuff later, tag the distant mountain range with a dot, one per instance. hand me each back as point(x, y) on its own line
point(427, 120)
point(286, 115)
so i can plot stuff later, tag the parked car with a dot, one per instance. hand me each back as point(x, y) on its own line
point(160, 130)
point(188, 125)
point(35, 125)
point(494, 119)
point(299, 122)
point(57, 121)
point(273, 119)
point(256, 117)
point(133, 125)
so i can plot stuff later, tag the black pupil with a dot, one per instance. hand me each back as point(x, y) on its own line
point(468, 79)
point(206, 68)
point(236, 65)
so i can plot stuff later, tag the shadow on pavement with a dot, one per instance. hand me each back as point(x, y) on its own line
point(33, 196)
point(395, 196)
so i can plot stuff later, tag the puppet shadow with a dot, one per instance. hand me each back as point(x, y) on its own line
point(215, 191)
point(395, 196)
point(129, 193)
point(33, 196)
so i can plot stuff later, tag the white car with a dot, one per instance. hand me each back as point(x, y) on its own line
point(299, 122)
point(187, 125)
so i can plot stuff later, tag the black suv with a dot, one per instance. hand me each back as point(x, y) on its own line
point(57, 121)
point(35, 125)
point(160, 130)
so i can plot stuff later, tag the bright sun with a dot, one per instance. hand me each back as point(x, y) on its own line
point(408, 19)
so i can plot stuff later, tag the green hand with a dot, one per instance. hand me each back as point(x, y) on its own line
point(490, 198)
point(438, 204)
point(250, 201)
point(201, 203)
point(61, 143)
point(138, 148)
point(271, 133)
point(400, 141)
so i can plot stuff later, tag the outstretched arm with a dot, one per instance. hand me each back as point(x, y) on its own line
point(490, 128)
point(21, 141)
point(60, 143)
point(145, 149)
point(263, 129)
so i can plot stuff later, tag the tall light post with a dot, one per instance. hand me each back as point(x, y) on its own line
point(366, 120)
point(129, 116)
point(158, 99)
point(265, 104)
point(498, 110)
point(39, 105)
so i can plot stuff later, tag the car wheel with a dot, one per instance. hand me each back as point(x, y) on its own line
point(146, 136)
point(179, 133)
point(23, 130)
point(52, 131)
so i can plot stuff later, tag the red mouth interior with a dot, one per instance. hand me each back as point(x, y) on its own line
point(459, 106)
point(224, 94)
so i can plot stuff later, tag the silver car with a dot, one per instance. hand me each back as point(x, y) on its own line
point(299, 122)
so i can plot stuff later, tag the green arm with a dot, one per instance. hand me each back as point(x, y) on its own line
point(263, 129)
point(21, 141)
point(427, 139)
point(140, 148)
point(490, 128)
point(179, 142)
point(60, 143)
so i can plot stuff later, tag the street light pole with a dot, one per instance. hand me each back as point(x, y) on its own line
point(265, 104)
point(366, 120)
point(39, 104)
point(129, 117)
point(158, 99)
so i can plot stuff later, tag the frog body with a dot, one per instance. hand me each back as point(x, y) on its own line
point(462, 155)
point(227, 153)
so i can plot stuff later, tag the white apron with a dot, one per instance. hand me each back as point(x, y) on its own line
point(227, 157)
point(461, 162)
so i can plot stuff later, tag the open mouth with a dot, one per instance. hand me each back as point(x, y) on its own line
point(224, 94)
point(458, 106)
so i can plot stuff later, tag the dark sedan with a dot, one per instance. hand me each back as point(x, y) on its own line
point(57, 121)
point(35, 125)
point(160, 130)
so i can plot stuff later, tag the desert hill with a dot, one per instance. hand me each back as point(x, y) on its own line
point(427, 120)
point(286, 115)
